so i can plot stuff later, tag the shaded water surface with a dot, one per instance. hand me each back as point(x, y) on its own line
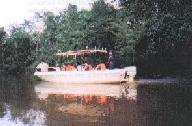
point(27, 103)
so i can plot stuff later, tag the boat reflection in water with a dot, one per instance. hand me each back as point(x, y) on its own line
point(85, 104)
point(47, 88)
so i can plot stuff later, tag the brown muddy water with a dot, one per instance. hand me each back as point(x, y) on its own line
point(27, 103)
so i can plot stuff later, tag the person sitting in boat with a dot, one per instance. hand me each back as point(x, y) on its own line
point(63, 67)
point(110, 60)
point(80, 67)
point(57, 68)
point(88, 67)
point(89, 60)
point(88, 64)
point(69, 67)
point(101, 66)
point(42, 67)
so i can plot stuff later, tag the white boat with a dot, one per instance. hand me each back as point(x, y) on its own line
point(93, 76)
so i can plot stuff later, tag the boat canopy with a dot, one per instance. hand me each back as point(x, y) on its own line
point(80, 52)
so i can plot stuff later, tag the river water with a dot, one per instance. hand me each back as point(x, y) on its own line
point(24, 102)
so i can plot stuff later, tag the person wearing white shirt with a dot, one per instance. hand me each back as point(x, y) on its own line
point(43, 67)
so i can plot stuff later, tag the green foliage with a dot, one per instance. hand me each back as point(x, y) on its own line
point(63, 32)
point(102, 27)
point(164, 44)
point(17, 50)
point(2, 41)
point(150, 34)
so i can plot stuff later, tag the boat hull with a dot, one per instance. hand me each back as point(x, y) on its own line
point(96, 76)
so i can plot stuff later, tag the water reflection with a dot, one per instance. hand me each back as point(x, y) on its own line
point(44, 89)
point(49, 104)
point(17, 103)
point(87, 104)
point(28, 118)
